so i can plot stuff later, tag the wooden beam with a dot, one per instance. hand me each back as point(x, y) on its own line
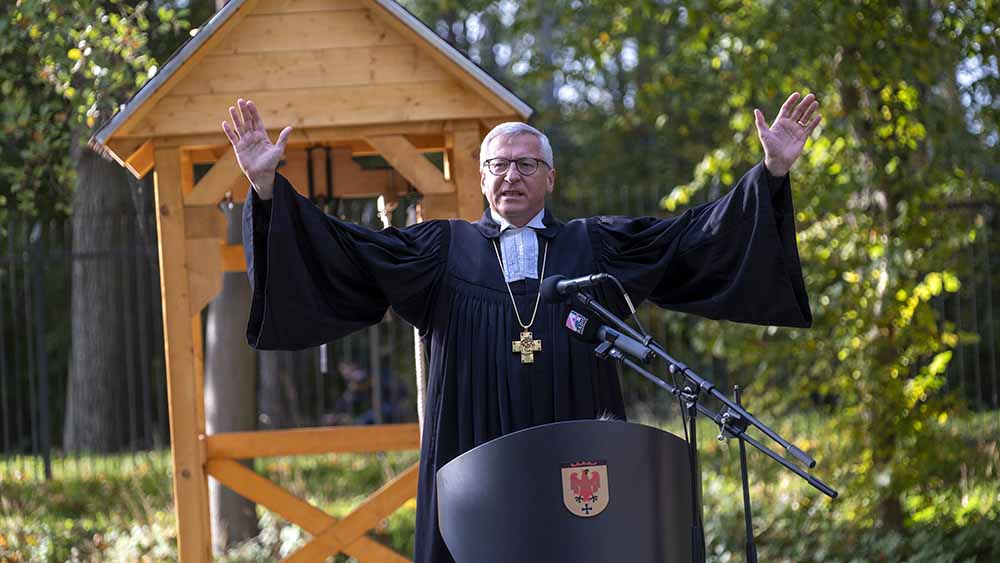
point(379, 505)
point(310, 67)
point(204, 221)
point(184, 395)
point(405, 158)
point(140, 162)
point(301, 441)
point(444, 206)
point(464, 162)
point(295, 510)
point(333, 134)
point(224, 176)
point(320, 107)
point(204, 271)
point(190, 64)
point(295, 31)
point(233, 258)
point(288, 6)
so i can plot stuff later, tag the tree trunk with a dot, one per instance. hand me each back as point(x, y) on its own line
point(95, 400)
point(229, 393)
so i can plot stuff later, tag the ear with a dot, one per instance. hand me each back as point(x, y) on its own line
point(482, 180)
point(550, 181)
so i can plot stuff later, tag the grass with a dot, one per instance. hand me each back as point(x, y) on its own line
point(119, 508)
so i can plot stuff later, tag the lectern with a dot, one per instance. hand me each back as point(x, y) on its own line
point(585, 491)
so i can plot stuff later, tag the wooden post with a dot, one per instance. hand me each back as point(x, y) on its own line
point(463, 160)
point(184, 392)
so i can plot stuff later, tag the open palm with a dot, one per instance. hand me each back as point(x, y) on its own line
point(784, 139)
point(256, 155)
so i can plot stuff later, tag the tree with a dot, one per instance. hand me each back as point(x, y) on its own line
point(66, 68)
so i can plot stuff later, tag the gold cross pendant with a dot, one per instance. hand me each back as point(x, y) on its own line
point(526, 346)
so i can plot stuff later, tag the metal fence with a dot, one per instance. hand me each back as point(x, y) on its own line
point(328, 385)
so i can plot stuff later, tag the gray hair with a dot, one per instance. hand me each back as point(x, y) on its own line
point(513, 129)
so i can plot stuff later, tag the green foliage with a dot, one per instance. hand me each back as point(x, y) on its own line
point(897, 183)
point(124, 511)
point(65, 67)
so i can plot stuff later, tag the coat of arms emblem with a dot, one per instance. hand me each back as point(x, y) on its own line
point(585, 487)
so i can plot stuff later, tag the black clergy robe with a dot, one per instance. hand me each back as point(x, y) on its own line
point(316, 278)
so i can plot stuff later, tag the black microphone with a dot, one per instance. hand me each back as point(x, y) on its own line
point(556, 288)
point(591, 330)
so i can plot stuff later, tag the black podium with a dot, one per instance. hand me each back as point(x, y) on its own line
point(584, 491)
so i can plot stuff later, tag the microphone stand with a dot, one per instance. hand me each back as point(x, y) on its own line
point(733, 423)
point(732, 426)
point(751, 548)
point(702, 384)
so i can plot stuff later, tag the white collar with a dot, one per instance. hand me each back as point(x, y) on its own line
point(535, 223)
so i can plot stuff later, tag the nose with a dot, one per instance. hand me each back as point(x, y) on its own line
point(513, 174)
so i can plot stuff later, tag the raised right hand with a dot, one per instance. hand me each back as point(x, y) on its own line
point(256, 155)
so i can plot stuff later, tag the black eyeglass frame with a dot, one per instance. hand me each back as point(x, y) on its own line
point(517, 163)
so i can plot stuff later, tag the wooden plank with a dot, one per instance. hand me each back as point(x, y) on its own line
point(379, 505)
point(320, 107)
point(464, 160)
point(208, 155)
point(204, 221)
point(411, 164)
point(224, 176)
point(140, 162)
point(466, 79)
point(336, 134)
point(204, 271)
point(301, 441)
point(308, 30)
point(183, 394)
point(266, 493)
point(286, 6)
point(233, 258)
point(310, 68)
point(350, 180)
point(295, 510)
point(190, 64)
point(441, 206)
point(121, 149)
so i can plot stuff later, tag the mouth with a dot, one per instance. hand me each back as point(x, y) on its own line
point(512, 194)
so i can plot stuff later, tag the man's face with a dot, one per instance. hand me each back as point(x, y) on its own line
point(516, 197)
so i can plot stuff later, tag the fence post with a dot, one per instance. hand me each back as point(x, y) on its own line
point(37, 241)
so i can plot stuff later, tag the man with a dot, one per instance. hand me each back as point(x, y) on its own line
point(500, 360)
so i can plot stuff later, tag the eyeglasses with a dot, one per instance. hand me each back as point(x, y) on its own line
point(526, 166)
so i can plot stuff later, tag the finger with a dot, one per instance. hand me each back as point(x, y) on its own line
point(801, 108)
point(815, 122)
point(245, 115)
point(760, 121)
point(786, 108)
point(233, 137)
point(255, 119)
point(237, 121)
point(807, 115)
point(283, 138)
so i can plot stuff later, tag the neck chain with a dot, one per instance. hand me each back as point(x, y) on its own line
point(526, 346)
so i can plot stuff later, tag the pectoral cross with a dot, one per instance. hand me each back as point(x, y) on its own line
point(526, 346)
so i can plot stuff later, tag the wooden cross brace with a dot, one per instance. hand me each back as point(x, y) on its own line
point(330, 536)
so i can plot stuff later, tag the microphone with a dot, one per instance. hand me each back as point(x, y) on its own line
point(591, 330)
point(555, 288)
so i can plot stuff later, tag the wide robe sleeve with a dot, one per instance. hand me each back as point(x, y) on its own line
point(316, 278)
point(734, 258)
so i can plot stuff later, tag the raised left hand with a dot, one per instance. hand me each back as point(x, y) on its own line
point(784, 139)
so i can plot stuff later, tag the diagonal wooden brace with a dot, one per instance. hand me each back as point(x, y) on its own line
point(380, 504)
point(404, 157)
point(297, 511)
